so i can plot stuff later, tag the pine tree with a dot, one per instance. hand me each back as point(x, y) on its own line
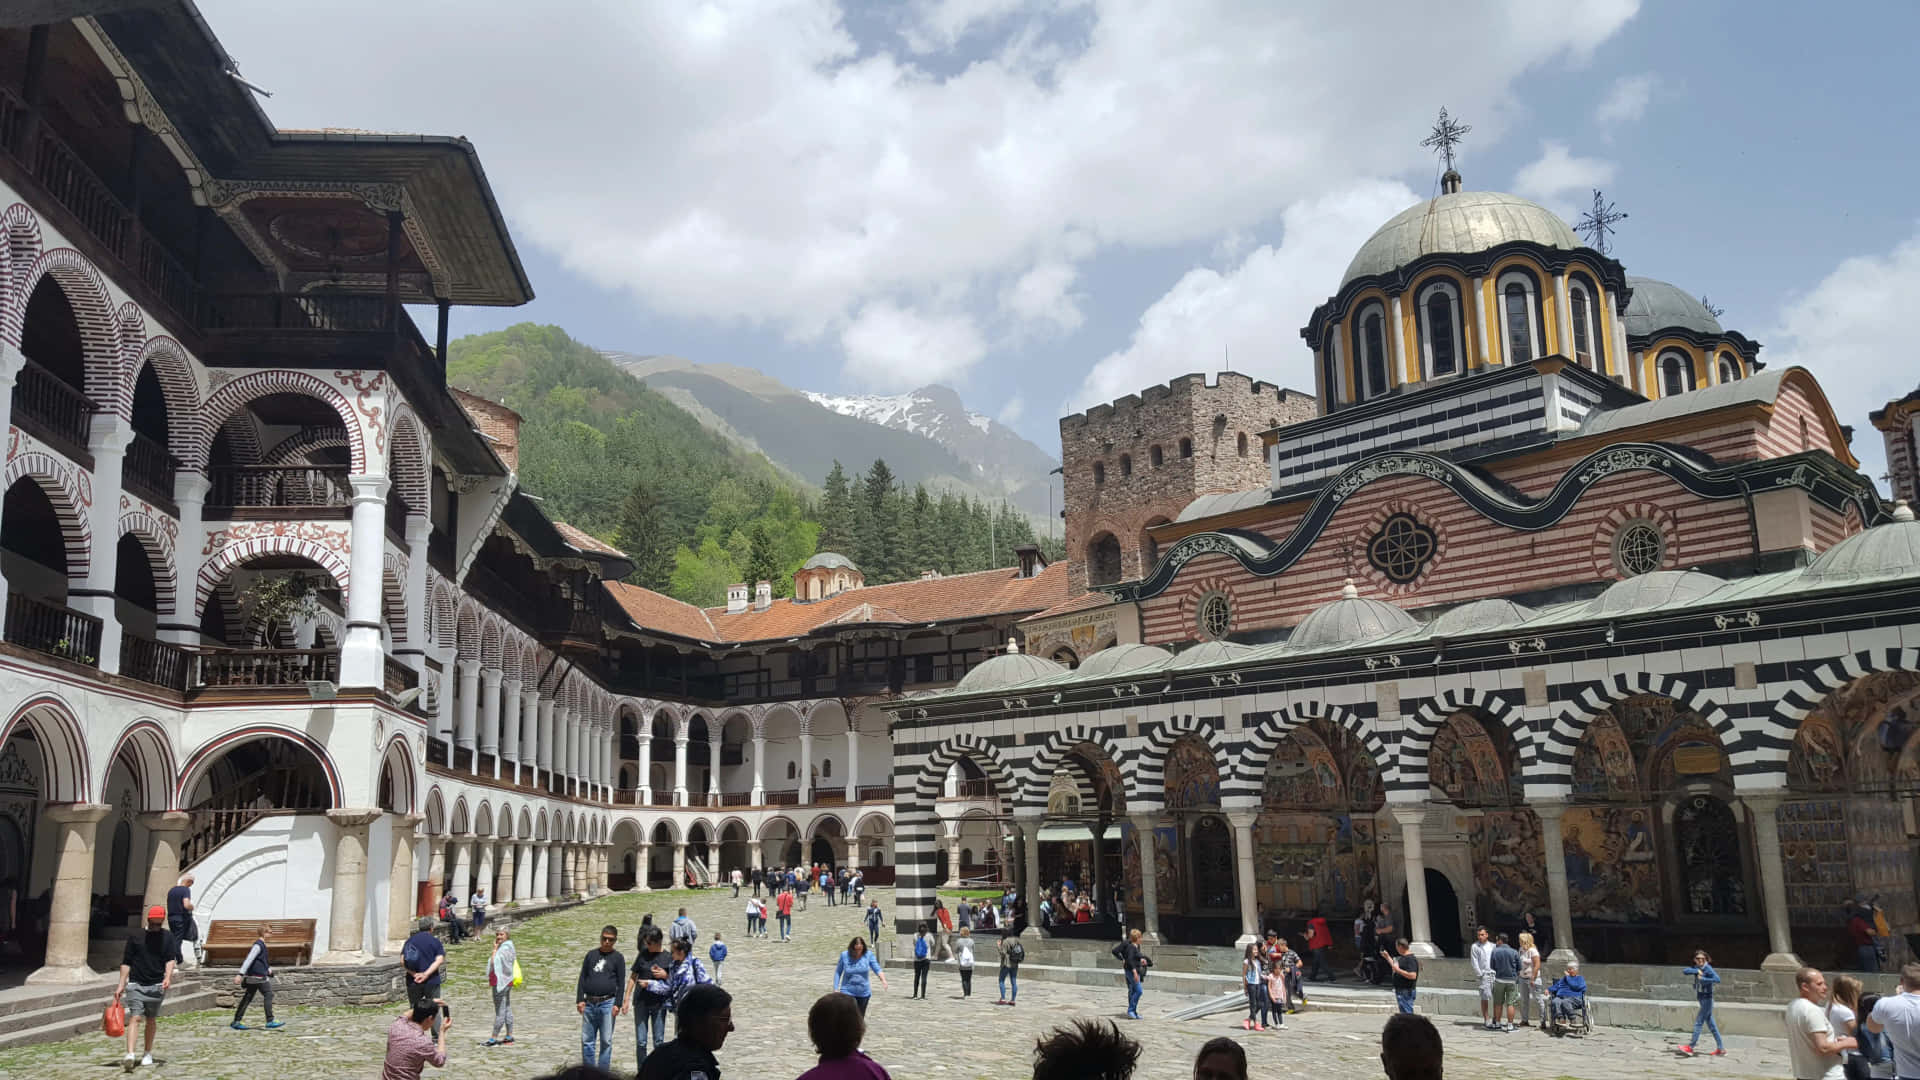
point(836, 514)
point(878, 535)
point(922, 531)
point(646, 534)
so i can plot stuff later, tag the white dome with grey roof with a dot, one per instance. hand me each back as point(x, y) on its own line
point(1351, 620)
point(830, 560)
point(1884, 551)
point(1461, 223)
point(1645, 592)
point(1120, 660)
point(1211, 653)
point(1657, 305)
point(1006, 670)
point(1478, 617)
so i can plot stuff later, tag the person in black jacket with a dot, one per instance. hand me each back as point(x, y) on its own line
point(256, 974)
point(1135, 963)
point(706, 1016)
point(599, 995)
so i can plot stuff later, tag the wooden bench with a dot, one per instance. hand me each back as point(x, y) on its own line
point(289, 941)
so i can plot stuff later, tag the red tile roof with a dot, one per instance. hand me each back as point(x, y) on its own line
point(581, 541)
point(922, 600)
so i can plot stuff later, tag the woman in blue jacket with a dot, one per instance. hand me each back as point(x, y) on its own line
point(851, 971)
point(1704, 980)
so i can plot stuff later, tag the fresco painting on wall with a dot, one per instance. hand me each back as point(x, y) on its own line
point(1611, 870)
point(1509, 865)
point(1314, 863)
point(1603, 763)
point(1166, 851)
point(1813, 845)
point(1464, 763)
point(1192, 779)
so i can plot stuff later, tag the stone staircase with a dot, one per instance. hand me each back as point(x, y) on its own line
point(39, 1014)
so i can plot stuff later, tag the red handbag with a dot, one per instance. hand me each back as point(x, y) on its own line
point(113, 1022)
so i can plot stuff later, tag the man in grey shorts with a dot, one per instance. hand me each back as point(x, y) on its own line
point(146, 973)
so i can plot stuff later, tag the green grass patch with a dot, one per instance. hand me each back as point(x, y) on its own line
point(971, 894)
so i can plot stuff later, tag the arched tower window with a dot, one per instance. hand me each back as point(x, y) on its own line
point(1186, 448)
point(1099, 473)
point(1581, 305)
point(1441, 347)
point(1676, 373)
point(1126, 464)
point(1729, 367)
point(1243, 444)
point(1154, 456)
point(1517, 315)
point(1373, 351)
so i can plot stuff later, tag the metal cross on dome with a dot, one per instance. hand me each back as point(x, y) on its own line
point(1447, 134)
point(1597, 224)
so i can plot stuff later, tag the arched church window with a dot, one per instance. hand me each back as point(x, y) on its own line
point(1126, 464)
point(1186, 448)
point(1153, 456)
point(1373, 351)
point(1517, 307)
point(1582, 308)
point(1243, 444)
point(1676, 373)
point(1440, 343)
point(1213, 865)
point(1707, 848)
point(826, 768)
point(1729, 368)
point(793, 771)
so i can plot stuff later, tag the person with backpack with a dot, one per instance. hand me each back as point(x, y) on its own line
point(687, 973)
point(256, 975)
point(1135, 963)
point(449, 914)
point(684, 930)
point(852, 971)
point(424, 958)
point(922, 960)
point(501, 969)
point(1011, 954)
point(874, 918)
point(963, 959)
point(784, 905)
point(717, 954)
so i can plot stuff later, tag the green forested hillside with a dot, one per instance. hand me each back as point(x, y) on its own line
point(610, 456)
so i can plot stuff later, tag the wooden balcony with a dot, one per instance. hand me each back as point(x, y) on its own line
point(149, 470)
point(54, 629)
point(398, 677)
point(278, 491)
point(281, 668)
point(50, 409)
point(877, 793)
point(156, 662)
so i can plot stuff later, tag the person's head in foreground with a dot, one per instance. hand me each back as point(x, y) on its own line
point(835, 1026)
point(1410, 1048)
point(706, 1015)
point(1085, 1050)
point(1813, 985)
point(1220, 1059)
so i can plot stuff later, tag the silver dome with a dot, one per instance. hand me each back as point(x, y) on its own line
point(1462, 223)
point(1005, 670)
point(1478, 616)
point(1645, 592)
point(828, 559)
point(1120, 659)
point(1884, 551)
point(1351, 620)
point(1211, 653)
point(1656, 306)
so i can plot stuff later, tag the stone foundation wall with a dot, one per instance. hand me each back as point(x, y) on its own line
point(377, 983)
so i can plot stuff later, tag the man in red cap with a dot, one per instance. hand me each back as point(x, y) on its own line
point(146, 972)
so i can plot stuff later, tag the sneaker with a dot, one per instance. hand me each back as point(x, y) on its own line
point(491, 1042)
point(238, 1026)
point(127, 1063)
point(147, 1060)
point(1687, 1050)
point(275, 1024)
point(1246, 1025)
point(1259, 1027)
point(1720, 1051)
point(1506, 1027)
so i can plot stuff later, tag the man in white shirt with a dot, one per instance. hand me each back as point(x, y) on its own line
point(1812, 1045)
point(1898, 1015)
point(1482, 957)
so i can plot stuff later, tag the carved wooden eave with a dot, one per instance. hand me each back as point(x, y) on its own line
point(142, 109)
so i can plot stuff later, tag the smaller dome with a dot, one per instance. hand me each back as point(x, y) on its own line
point(1120, 659)
point(1884, 551)
point(829, 560)
point(1351, 620)
point(1007, 669)
point(1211, 653)
point(1656, 306)
point(1645, 592)
point(1479, 616)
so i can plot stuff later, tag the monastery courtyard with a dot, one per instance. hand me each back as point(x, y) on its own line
point(773, 985)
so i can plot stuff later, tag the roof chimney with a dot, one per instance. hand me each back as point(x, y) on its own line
point(736, 598)
point(762, 595)
point(1031, 561)
point(1449, 183)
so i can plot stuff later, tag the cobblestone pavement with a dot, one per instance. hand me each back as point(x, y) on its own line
point(773, 985)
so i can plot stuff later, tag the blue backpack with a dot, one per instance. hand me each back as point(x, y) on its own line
point(919, 948)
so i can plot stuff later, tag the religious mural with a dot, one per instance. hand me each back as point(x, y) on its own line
point(1192, 779)
point(1167, 887)
point(1465, 765)
point(1611, 871)
point(1314, 844)
point(1509, 866)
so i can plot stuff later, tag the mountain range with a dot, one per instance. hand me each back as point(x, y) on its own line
point(926, 437)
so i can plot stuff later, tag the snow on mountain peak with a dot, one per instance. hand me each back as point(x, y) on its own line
point(926, 411)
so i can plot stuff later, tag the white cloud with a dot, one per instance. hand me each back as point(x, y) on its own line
point(1253, 312)
point(893, 348)
point(1853, 331)
point(1626, 100)
point(1013, 410)
point(751, 162)
point(1041, 297)
point(1560, 181)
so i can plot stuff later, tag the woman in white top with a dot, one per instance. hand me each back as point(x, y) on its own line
point(1843, 1009)
point(963, 959)
point(500, 977)
point(1529, 979)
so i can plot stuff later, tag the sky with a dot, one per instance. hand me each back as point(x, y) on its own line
point(1049, 204)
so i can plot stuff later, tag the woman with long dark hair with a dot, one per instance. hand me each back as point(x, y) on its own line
point(851, 973)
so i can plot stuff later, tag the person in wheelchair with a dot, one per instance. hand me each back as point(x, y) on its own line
point(1567, 997)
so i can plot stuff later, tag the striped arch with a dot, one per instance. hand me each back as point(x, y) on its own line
point(1553, 756)
point(440, 608)
point(466, 631)
point(1150, 770)
point(393, 596)
point(931, 777)
point(398, 755)
point(71, 498)
point(198, 761)
point(177, 385)
point(157, 542)
point(1768, 739)
point(233, 555)
point(490, 646)
point(86, 293)
point(410, 457)
point(231, 398)
point(295, 449)
point(19, 250)
point(1265, 737)
point(150, 754)
point(67, 775)
point(1041, 767)
point(1410, 769)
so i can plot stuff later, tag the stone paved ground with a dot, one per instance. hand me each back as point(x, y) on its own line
point(774, 984)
